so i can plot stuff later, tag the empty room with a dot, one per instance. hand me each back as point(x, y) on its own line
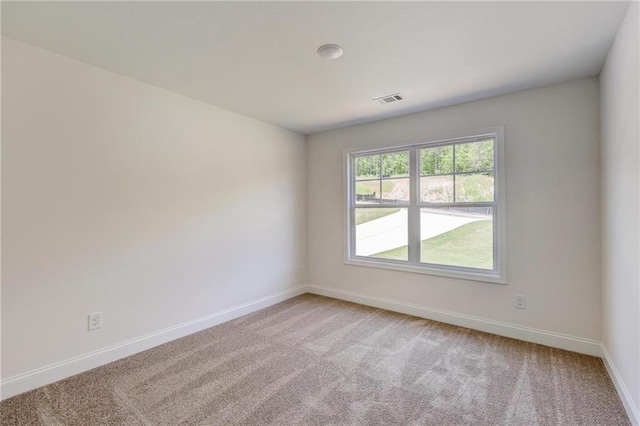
point(320, 213)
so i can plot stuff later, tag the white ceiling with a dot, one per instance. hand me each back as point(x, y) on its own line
point(259, 58)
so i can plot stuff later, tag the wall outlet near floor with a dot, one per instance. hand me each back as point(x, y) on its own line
point(95, 321)
point(520, 302)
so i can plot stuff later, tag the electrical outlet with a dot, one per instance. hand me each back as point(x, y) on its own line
point(95, 321)
point(520, 302)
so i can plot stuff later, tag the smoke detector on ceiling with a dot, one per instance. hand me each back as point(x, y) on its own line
point(396, 97)
point(330, 51)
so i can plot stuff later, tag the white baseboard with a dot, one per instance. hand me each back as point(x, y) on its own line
point(547, 338)
point(623, 391)
point(61, 370)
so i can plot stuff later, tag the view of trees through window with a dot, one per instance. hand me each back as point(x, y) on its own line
point(457, 173)
point(455, 204)
point(382, 178)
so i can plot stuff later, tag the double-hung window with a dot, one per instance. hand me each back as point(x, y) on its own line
point(432, 207)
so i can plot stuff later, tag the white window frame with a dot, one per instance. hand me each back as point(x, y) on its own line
point(498, 275)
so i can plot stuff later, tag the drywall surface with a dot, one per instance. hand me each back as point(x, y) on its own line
point(126, 199)
point(552, 208)
point(620, 113)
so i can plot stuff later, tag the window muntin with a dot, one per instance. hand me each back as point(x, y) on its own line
point(435, 208)
point(456, 173)
point(382, 178)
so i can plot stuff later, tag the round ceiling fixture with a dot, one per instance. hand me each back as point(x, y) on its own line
point(330, 51)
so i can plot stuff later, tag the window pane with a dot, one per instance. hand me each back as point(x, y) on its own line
point(368, 167)
point(382, 232)
point(437, 160)
point(457, 237)
point(394, 190)
point(395, 164)
point(474, 156)
point(474, 187)
point(436, 189)
point(368, 192)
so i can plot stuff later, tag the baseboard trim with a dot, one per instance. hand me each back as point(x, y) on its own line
point(555, 340)
point(623, 391)
point(52, 373)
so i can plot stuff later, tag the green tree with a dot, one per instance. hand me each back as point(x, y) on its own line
point(437, 160)
point(474, 156)
point(395, 164)
point(368, 167)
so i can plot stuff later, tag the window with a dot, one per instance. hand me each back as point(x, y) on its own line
point(433, 207)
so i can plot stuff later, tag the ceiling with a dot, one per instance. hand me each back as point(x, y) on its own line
point(259, 58)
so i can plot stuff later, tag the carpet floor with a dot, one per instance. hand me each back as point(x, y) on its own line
point(313, 360)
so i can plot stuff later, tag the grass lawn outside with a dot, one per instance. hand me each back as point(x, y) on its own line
point(392, 190)
point(470, 246)
point(368, 187)
point(475, 187)
point(367, 215)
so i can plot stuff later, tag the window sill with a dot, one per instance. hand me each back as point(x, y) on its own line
point(471, 276)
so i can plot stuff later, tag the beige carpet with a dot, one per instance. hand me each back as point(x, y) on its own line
point(318, 361)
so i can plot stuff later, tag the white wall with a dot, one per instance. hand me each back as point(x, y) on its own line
point(620, 114)
point(124, 198)
point(553, 211)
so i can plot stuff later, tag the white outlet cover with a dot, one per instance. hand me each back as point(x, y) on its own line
point(520, 302)
point(95, 321)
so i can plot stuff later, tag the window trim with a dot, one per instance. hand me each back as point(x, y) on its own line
point(499, 276)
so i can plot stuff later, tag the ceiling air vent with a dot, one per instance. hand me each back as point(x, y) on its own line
point(389, 99)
